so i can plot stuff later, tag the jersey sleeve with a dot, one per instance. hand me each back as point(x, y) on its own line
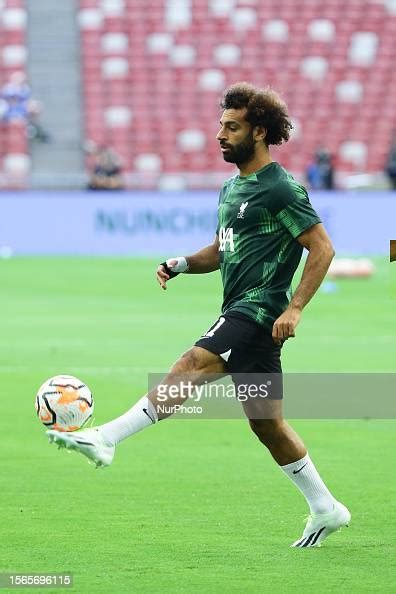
point(292, 208)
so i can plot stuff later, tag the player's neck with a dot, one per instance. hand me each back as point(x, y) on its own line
point(258, 162)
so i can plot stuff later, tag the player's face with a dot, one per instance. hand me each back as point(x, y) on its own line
point(236, 137)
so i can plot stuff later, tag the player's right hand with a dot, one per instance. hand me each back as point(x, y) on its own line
point(170, 269)
point(162, 275)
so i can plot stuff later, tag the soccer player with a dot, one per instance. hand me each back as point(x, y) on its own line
point(265, 220)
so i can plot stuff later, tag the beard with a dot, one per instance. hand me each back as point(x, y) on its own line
point(242, 152)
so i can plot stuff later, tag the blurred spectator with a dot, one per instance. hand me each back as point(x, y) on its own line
point(106, 173)
point(18, 104)
point(390, 168)
point(320, 172)
point(15, 94)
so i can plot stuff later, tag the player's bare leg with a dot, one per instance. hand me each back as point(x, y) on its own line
point(274, 432)
point(195, 365)
point(98, 443)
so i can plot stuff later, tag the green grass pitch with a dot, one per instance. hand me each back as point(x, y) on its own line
point(188, 506)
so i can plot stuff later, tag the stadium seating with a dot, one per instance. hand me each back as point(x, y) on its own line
point(153, 71)
point(14, 154)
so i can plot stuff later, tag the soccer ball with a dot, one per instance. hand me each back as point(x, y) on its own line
point(64, 403)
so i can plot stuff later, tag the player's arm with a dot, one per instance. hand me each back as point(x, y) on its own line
point(321, 253)
point(206, 260)
point(392, 250)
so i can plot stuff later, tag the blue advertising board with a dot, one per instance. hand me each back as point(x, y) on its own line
point(153, 223)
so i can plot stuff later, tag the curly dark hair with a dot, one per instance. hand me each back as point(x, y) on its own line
point(264, 108)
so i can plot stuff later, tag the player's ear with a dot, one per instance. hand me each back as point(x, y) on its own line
point(260, 133)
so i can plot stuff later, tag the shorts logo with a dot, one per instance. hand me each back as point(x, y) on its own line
point(226, 239)
point(242, 208)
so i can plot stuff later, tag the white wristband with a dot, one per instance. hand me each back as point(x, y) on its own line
point(180, 266)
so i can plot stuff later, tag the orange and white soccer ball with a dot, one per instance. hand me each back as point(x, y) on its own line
point(64, 403)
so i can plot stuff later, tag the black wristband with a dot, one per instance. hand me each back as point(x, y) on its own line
point(168, 271)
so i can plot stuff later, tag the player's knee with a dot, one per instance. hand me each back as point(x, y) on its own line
point(269, 431)
point(188, 362)
point(200, 361)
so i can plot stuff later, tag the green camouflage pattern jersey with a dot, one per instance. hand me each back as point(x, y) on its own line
point(259, 218)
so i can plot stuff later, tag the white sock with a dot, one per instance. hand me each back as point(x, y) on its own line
point(306, 478)
point(141, 415)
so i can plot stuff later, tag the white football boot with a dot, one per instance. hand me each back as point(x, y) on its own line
point(88, 442)
point(320, 526)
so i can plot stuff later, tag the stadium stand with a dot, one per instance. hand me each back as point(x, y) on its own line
point(14, 154)
point(153, 72)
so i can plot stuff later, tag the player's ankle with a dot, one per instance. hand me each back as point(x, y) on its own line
point(322, 505)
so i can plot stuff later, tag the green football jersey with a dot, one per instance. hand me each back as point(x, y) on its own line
point(259, 218)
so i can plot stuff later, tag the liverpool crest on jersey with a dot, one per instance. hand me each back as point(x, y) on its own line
point(242, 209)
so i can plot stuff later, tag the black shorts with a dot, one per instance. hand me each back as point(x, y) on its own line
point(246, 348)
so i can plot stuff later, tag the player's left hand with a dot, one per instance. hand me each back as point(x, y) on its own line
point(284, 327)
